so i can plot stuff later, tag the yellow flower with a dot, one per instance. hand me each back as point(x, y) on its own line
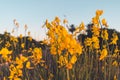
point(19, 65)
point(115, 63)
point(28, 33)
point(114, 39)
point(19, 72)
point(14, 39)
point(15, 72)
point(37, 54)
point(65, 21)
point(57, 19)
point(116, 50)
point(73, 59)
point(28, 65)
point(7, 44)
point(115, 77)
point(104, 34)
point(104, 22)
point(18, 61)
point(95, 31)
point(5, 52)
point(88, 42)
point(99, 12)
point(30, 38)
point(78, 49)
point(67, 40)
point(81, 26)
point(103, 54)
point(69, 66)
point(30, 50)
point(95, 41)
point(22, 45)
point(95, 20)
point(61, 60)
point(23, 58)
point(48, 25)
point(71, 51)
point(44, 41)
point(53, 50)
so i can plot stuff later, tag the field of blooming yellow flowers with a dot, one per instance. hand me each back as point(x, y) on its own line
point(81, 52)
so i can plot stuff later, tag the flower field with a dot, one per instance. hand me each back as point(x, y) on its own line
point(84, 52)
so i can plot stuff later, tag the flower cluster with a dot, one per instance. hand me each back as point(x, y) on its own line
point(63, 43)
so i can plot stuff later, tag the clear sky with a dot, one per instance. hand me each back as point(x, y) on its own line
point(35, 12)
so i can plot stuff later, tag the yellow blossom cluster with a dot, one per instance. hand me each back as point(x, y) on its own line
point(36, 55)
point(114, 39)
point(17, 65)
point(92, 42)
point(16, 68)
point(6, 54)
point(80, 28)
point(104, 34)
point(15, 73)
point(60, 40)
point(104, 53)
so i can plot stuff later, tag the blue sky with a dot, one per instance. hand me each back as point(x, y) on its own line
point(35, 12)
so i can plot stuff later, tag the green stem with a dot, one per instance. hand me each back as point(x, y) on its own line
point(68, 75)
